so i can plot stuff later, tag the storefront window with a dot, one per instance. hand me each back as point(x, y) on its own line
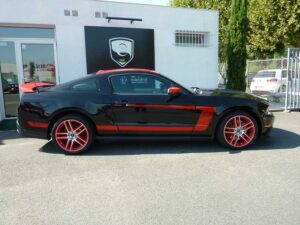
point(24, 32)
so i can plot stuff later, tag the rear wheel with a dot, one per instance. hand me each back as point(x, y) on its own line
point(73, 134)
point(237, 130)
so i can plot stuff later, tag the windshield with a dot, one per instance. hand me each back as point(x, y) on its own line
point(189, 89)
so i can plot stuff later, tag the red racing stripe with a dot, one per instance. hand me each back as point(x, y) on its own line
point(184, 107)
point(157, 128)
point(37, 124)
point(107, 127)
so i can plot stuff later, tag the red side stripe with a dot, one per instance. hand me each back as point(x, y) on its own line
point(37, 124)
point(144, 128)
point(156, 128)
point(185, 107)
point(206, 116)
point(107, 127)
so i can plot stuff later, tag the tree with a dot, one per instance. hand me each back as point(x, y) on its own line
point(31, 70)
point(236, 45)
point(273, 25)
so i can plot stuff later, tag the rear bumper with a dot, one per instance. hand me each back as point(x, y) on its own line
point(268, 121)
point(37, 133)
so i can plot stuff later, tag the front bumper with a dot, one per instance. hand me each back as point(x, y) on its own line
point(268, 121)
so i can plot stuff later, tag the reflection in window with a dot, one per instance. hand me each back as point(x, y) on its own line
point(86, 85)
point(139, 84)
point(38, 63)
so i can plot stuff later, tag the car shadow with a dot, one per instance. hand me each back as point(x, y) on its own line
point(278, 139)
point(8, 135)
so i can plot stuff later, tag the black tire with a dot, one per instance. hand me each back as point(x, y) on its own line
point(81, 139)
point(223, 138)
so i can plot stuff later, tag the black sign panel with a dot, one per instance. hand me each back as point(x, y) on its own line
point(111, 48)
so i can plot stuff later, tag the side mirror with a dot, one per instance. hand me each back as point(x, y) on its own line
point(173, 91)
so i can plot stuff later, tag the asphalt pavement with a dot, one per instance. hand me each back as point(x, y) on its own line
point(153, 183)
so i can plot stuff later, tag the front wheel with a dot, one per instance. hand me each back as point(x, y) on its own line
point(73, 134)
point(237, 130)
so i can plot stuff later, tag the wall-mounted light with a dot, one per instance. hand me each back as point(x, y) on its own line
point(109, 18)
point(67, 12)
point(104, 14)
point(98, 14)
point(74, 12)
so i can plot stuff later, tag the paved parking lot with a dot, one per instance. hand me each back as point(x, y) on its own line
point(153, 183)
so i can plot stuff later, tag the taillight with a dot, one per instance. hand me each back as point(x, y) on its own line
point(272, 80)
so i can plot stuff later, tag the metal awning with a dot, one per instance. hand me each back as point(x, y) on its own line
point(109, 18)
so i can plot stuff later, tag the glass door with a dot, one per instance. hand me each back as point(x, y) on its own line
point(24, 64)
point(9, 84)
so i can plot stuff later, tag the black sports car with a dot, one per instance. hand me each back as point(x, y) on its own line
point(140, 104)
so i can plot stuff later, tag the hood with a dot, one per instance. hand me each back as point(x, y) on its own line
point(232, 94)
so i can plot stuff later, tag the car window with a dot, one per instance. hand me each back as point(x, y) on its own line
point(139, 84)
point(263, 74)
point(86, 85)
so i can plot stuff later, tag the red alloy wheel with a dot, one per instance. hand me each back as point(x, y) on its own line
point(71, 135)
point(239, 131)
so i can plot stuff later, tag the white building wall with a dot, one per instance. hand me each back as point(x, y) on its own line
point(192, 66)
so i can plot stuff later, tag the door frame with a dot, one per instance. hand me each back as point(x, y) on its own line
point(19, 63)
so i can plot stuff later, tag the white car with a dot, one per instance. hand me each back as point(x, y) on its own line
point(269, 81)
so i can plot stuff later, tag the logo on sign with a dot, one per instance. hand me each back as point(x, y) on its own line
point(121, 50)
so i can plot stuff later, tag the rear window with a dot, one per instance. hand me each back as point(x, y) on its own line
point(265, 74)
point(87, 84)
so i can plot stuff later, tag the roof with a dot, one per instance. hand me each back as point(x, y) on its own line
point(155, 5)
point(100, 72)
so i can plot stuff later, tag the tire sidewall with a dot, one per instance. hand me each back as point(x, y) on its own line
point(220, 130)
point(84, 121)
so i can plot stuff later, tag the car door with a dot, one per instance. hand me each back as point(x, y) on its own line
point(142, 106)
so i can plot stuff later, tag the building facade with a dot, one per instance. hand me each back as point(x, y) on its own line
point(54, 41)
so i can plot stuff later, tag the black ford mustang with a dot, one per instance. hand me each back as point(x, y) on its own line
point(139, 104)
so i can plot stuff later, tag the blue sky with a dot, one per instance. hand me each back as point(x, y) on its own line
point(152, 2)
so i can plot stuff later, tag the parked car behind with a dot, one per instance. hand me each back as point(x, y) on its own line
point(13, 88)
point(5, 85)
point(269, 81)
